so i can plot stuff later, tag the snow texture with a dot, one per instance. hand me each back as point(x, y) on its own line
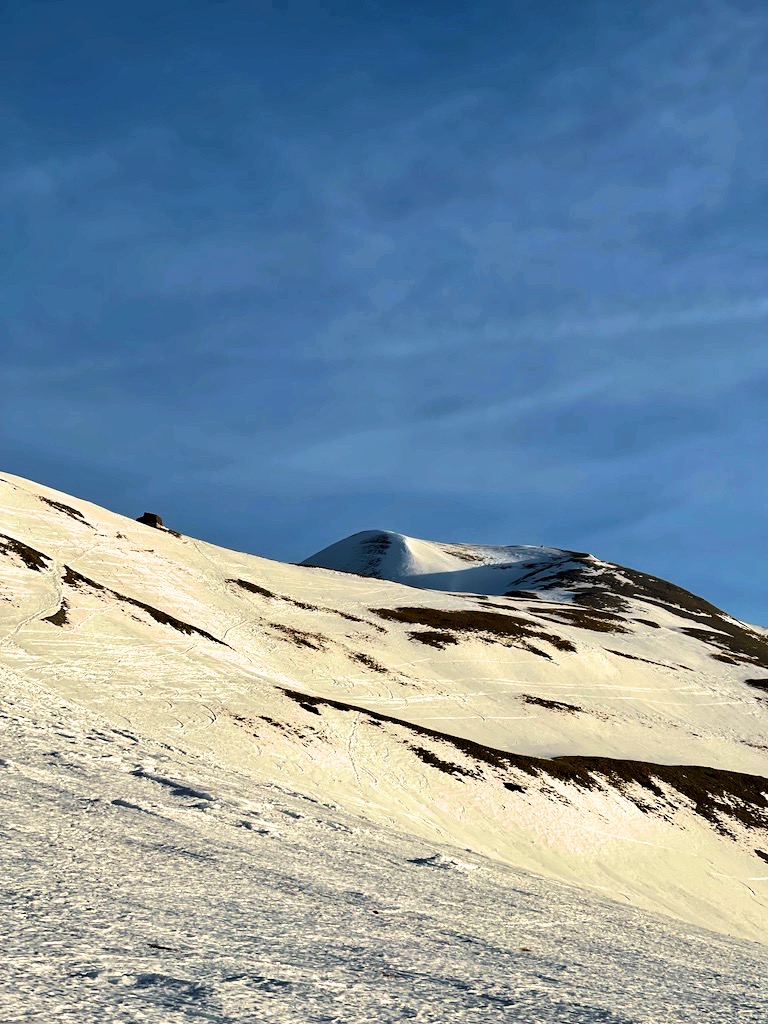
point(241, 790)
point(145, 885)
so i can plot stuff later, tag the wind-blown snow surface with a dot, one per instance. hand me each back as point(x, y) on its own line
point(143, 884)
point(146, 885)
point(426, 711)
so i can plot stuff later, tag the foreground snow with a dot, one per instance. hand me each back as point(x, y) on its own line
point(143, 884)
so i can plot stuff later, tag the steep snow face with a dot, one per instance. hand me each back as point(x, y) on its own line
point(431, 565)
point(546, 728)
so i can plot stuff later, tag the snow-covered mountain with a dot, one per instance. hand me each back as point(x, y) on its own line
point(542, 708)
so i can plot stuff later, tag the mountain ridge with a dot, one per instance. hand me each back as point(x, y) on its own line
point(577, 577)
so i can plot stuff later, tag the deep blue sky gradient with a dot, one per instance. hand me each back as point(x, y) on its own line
point(497, 273)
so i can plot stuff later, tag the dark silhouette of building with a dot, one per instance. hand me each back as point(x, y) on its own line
point(150, 519)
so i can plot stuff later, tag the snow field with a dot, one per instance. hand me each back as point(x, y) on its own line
point(147, 885)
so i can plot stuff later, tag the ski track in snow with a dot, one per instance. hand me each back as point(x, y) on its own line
point(152, 887)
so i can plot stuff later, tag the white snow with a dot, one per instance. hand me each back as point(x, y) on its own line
point(144, 884)
point(201, 746)
point(431, 565)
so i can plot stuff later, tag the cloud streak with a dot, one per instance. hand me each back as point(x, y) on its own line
point(503, 269)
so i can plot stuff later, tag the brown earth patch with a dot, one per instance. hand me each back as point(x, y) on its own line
point(491, 627)
point(434, 639)
point(365, 659)
point(254, 588)
point(449, 767)
point(595, 619)
point(59, 617)
point(736, 644)
point(300, 604)
point(288, 728)
point(464, 552)
point(252, 725)
point(66, 509)
point(551, 705)
point(646, 661)
point(356, 618)
point(517, 595)
point(315, 641)
point(32, 558)
point(372, 551)
point(608, 587)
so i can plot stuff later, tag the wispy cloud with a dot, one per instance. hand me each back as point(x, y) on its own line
point(504, 269)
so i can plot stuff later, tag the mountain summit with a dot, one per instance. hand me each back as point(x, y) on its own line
point(584, 587)
point(431, 565)
point(543, 708)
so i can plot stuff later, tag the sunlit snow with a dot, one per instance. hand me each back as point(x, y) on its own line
point(238, 789)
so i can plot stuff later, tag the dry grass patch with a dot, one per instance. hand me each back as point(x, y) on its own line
point(550, 705)
point(30, 557)
point(491, 627)
point(315, 641)
point(59, 617)
point(66, 509)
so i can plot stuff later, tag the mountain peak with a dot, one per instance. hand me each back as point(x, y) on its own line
point(492, 570)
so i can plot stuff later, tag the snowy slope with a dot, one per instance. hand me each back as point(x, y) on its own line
point(146, 884)
point(436, 713)
point(430, 565)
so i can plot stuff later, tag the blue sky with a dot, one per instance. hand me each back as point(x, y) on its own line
point(285, 271)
